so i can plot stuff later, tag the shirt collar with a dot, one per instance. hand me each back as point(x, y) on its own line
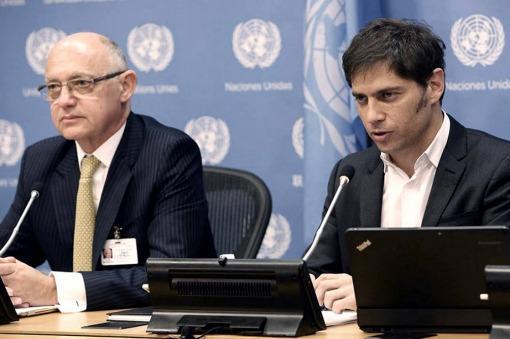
point(106, 151)
point(433, 153)
point(436, 147)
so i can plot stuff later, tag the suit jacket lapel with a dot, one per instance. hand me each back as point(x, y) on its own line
point(119, 176)
point(448, 173)
point(63, 188)
point(371, 193)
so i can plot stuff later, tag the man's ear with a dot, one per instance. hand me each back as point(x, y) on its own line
point(436, 85)
point(128, 82)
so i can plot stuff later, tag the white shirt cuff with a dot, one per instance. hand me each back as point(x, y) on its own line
point(71, 294)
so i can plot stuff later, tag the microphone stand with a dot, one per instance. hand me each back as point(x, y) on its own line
point(344, 180)
point(33, 195)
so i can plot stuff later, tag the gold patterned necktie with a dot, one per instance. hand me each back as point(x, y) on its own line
point(85, 221)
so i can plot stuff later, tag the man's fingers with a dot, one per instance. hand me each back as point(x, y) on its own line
point(7, 268)
point(6, 260)
point(334, 276)
point(23, 305)
point(336, 286)
point(333, 295)
point(347, 303)
point(324, 286)
point(17, 301)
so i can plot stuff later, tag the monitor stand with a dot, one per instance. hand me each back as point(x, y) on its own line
point(223, 324)
point(403, 335)
point(500, 332)
point(498, 286)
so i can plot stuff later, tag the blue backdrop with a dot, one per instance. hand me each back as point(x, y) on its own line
point(257, 83)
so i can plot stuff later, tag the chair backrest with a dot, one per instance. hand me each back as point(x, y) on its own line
point(239, 210)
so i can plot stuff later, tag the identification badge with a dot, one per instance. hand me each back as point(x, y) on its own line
point(119, 252)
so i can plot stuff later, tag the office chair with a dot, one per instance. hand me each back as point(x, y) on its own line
point(239, 210)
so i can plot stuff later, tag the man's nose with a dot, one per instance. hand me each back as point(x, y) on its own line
point(66, 97)
point(374, 111)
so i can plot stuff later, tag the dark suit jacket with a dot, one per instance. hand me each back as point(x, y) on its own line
point(153, 191)
point(471, 187)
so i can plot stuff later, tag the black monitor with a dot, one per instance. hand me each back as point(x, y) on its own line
point(7, 311)
point(239, 296)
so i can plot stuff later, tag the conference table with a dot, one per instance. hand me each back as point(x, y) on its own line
point(59, 325)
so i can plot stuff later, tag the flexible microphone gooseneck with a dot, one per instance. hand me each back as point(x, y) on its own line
point(33, 195)
point(346, 175)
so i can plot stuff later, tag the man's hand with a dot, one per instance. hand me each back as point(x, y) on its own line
point(25, 285)
point(335, 292)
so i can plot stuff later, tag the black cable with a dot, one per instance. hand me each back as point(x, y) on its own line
point(188, 331)
point(211, 330)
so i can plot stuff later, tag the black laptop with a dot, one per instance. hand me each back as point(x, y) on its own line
point(7, 311)
point(428, 279)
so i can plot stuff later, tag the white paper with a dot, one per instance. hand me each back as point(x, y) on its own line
point(128, 317)
point(34, 310)
point(331, 318)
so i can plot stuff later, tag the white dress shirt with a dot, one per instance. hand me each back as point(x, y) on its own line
point(405, 198)
point(71, 292)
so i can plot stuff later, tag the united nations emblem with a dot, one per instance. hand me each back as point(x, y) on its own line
point(477, 39)
point(298, 140)
point(326, 92)
point(212, 137)
point(256, 43)
point(38, 46)
point(150, 46)
point(12, 143)
point(277, 239)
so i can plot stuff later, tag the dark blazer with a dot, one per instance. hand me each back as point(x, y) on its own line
point(153, 191)
point(471, 187)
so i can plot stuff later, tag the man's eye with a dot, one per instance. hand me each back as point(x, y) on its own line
point(54, 87)
point(81, 83)
point(360, 99)
point(388, 95)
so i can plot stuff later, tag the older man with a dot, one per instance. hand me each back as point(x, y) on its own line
point(114, 180)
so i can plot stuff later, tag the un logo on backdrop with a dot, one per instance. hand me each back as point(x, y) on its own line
point(256, 43)
point(150, 46)
point(212, 137)
point(277, 239)
point(326, 92)
point(298, 140)
point(12, 143)
point(477, 39)
point(38, 46)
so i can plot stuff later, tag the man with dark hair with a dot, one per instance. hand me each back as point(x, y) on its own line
point(117, 188)
point(425, 168)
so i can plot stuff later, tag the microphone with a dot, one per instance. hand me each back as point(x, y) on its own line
point(33, 195)
point(187, 332)
point(346, 175)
